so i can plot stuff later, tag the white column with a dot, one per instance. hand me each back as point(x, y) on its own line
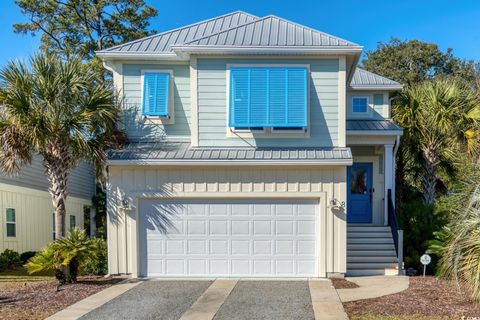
point(389, 176)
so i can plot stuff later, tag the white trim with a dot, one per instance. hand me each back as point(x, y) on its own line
point(9, 238)
point(342, 96)
point(177, 162)
point(266, 49)
point(266, 133)
point(368, 109)
point(377, 87)
point(388, 170)
point(141, 56)
point(170, 119)
point(375, 132)
point(321, 244)
point(194, 101)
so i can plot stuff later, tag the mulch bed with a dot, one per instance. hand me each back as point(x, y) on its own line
point(427, 297)
point(339, 283)
point(38, 300)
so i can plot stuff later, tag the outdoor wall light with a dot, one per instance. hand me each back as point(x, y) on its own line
point(334, 203)
point(125, 203)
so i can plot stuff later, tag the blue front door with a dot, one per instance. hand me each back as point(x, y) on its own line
point(359, 196)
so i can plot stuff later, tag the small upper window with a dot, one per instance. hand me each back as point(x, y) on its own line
point(73, 222)
point(156, 94)
point(359, 104)
point(11, 223)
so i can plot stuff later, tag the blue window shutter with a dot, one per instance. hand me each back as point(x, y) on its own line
point(239, 97)
point(277, 97)
point(297, 97)
point(156, 94)
point(262, 97)
point(258, 97)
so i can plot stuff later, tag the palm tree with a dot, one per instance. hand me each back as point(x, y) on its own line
point(438, 126)
point(59, 110)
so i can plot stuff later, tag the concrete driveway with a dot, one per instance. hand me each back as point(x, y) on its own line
point(224, 299)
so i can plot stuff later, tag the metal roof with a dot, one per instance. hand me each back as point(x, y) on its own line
point(271, 31)
point(162, 42)
point(181, 152)
point(363, 79)
point(372, 125)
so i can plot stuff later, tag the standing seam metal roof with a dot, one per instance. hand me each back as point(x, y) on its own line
point(372, 125)
point(182, 151)
point(364, 78)
point(270, 31)
point(162, 42)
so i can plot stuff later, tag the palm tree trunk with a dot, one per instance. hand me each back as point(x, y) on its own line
point(57, 170)
point(429, 178)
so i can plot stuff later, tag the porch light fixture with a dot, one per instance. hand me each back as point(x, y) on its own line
point(334, 203)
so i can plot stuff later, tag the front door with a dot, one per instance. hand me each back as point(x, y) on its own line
point(359, 198)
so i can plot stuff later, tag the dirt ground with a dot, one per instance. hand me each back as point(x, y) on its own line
point(426, 298)
point(40, 299)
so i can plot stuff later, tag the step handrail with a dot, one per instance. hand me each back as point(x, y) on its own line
point(397, 233)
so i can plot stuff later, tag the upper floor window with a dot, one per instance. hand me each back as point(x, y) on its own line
point(268, 97)
point(156, 93)
point(11, 221)
point(359, 104)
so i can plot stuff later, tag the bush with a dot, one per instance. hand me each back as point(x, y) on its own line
point(12, 258)
point(419, 222)
point(25, 256)
point(3, 263)
point(65, 256)
point(97, 264)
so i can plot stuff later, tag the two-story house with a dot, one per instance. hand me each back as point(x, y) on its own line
point(257, 147)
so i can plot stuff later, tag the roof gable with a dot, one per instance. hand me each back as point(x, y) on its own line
point(162, 42)
point(271, 31)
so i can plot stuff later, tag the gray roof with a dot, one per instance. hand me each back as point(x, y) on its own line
point(271, 31)
point(182, 152)
point(363, 79)
point(372, 125)
point(233, 29)
point(162, 42)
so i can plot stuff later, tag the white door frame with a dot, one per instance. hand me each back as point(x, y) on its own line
point(324, 241)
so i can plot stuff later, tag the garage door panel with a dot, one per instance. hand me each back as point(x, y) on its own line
point(229, 238)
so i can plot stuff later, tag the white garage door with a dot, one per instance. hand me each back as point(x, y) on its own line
point(234, 238)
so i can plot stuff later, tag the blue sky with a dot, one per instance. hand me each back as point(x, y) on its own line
point(450, 24)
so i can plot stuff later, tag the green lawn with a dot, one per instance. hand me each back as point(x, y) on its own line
point(20, 275)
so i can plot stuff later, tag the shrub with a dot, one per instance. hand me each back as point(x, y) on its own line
point(12, 258)
point(65, 256)
point(3, 263)
point(419, 221)
point(25, 256)
point(96, 264)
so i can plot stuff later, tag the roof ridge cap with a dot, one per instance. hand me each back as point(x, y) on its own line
point(178, 28)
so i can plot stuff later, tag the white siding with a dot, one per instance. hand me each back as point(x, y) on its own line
point(324, 183)
point(34, 217)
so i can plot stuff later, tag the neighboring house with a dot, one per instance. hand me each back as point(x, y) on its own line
point(257, 146)
point(27, 212)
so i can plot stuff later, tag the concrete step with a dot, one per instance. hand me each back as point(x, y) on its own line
point(371, 259)
point(368, 229)
point(366, 272)
point(370, 246)
point(371, 253)
point(369, 240)
point(370, 265)
point(366, 234)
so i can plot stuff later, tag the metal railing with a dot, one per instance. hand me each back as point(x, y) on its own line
point(397, 233)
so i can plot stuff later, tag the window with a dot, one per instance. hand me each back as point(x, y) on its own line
point(11, 220)
point(249, 129)
point(359, 104)
point(156, 94)
point(73, 221)
point(53, 224)
point(268, 97)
